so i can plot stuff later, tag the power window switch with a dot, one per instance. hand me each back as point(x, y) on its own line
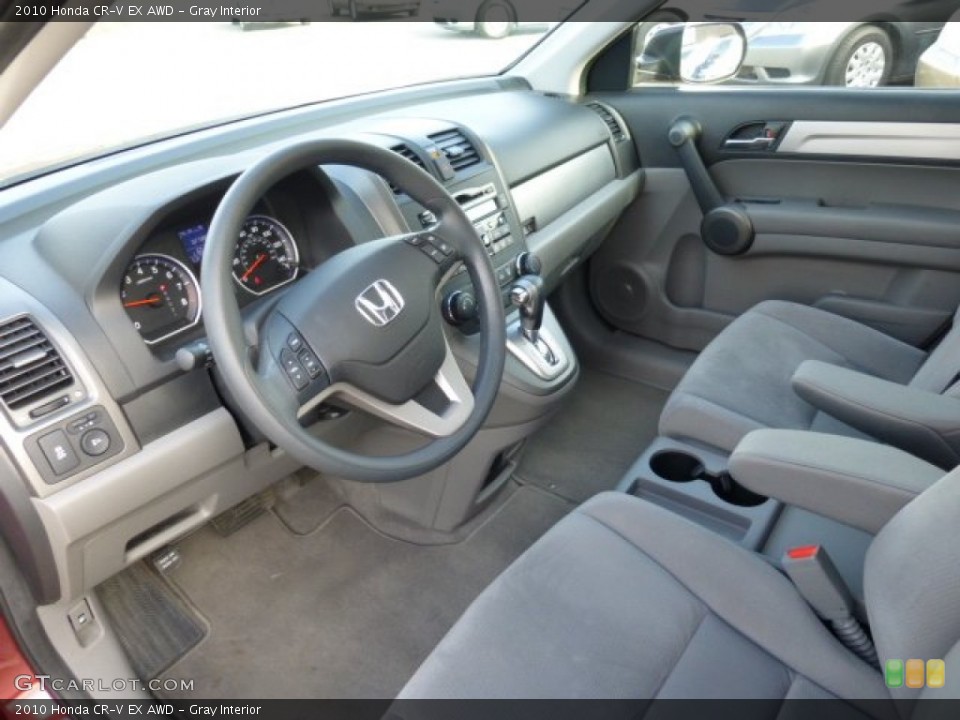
point(59, 453)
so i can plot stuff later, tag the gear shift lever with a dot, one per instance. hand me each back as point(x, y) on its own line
point(537, 350)
point(527, 295)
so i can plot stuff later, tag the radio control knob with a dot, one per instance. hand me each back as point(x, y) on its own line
point(529, 263)
point(459, 308)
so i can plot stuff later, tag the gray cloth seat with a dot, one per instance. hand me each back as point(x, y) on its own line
point(625, 600)
point(741, 381)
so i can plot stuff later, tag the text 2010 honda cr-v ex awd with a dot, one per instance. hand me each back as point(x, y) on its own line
point(369, 361)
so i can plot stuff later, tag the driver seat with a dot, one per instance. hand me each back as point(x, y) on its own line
point(625, 600)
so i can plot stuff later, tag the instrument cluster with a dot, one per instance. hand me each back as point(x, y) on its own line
point(160, 292)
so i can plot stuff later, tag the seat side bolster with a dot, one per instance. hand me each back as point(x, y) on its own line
point(741, 589)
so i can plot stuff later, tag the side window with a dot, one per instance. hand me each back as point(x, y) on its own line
point(806, 53)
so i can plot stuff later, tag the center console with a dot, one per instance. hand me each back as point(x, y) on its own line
point(696, 483)
point(486, 203)
point(540, 369)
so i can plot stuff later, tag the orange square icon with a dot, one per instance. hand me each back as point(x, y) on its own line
point(915, 674)
point(936, 673)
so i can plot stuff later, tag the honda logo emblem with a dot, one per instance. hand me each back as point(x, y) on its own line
point(380, 304)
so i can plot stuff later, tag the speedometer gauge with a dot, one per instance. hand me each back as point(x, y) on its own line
point(161, 296)
point(266, 255)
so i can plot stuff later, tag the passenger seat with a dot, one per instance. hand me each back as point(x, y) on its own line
point(758, 374)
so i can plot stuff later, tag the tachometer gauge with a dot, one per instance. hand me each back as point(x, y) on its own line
point(266, 255)
point(161, 296)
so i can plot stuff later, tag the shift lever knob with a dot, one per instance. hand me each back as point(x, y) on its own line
point(527, 295)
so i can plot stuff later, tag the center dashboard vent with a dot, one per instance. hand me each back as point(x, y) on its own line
point(459, 151)
point(30, 366)
point(616, 130)
point(405, 151)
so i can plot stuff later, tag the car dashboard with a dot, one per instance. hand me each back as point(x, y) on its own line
point(126, 440)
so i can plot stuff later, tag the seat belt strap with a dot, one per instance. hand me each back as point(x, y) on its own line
point(819, 582)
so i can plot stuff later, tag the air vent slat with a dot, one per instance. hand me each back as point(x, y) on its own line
point(405, 151)
point(458, 150)
point(13, 349)
point(30, 367)
point(15, 335)
point(616, 130)
point(37, 374)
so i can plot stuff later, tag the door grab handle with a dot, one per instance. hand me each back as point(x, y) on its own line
point(726, 228)
point(758, 143)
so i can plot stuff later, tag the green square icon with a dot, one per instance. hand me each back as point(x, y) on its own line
point(893, 673)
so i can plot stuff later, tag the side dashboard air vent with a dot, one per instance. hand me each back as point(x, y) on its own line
point(616, 130)
point(410, 155)
point(459, 151)
point(30, 366)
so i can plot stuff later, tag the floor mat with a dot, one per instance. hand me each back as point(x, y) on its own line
point(595, 438)
point(342, 613)
point(305, 510)
point(154, 624)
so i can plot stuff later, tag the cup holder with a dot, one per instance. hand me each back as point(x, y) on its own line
point(677, 467)
point(730, 491)
point(680, 467)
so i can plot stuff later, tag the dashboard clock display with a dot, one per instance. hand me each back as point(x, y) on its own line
point(161, 296)
point(266, 255)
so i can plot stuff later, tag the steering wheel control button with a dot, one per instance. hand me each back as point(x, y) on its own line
point(416, 240)
point(432, 252)
point(310, 363)
point(293, 369)
point(295, 342)
point(442, 245)
point(59, 453)
point(95, 442)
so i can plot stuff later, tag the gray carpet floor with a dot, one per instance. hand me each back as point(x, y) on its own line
point(343, 612)
point(595, 438)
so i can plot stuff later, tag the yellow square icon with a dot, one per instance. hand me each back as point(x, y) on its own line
point(914, 674)
point(936, 673)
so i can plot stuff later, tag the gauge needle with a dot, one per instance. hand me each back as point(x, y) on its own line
point(149, 300)
point(256, 263)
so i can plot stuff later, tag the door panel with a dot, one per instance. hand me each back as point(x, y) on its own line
point(871, 237)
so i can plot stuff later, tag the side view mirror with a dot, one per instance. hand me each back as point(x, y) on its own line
point(698, 53)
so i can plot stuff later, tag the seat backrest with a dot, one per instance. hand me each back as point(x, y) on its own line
point(940, 370)
point(912, 586)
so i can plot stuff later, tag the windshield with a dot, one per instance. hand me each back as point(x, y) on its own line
point(125, 83)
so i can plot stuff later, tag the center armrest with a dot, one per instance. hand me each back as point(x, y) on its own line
point(923, 423)
point(856, 482)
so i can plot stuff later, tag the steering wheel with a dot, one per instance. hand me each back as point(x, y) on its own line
point(364, 327)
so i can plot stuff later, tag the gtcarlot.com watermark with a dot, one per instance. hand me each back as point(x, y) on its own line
point(46, 683)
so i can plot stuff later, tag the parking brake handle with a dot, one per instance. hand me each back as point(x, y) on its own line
point(726, 227)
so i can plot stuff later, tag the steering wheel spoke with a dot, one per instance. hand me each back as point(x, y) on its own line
point(439, 410)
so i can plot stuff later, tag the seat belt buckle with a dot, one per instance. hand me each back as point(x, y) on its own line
point(818, 581)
